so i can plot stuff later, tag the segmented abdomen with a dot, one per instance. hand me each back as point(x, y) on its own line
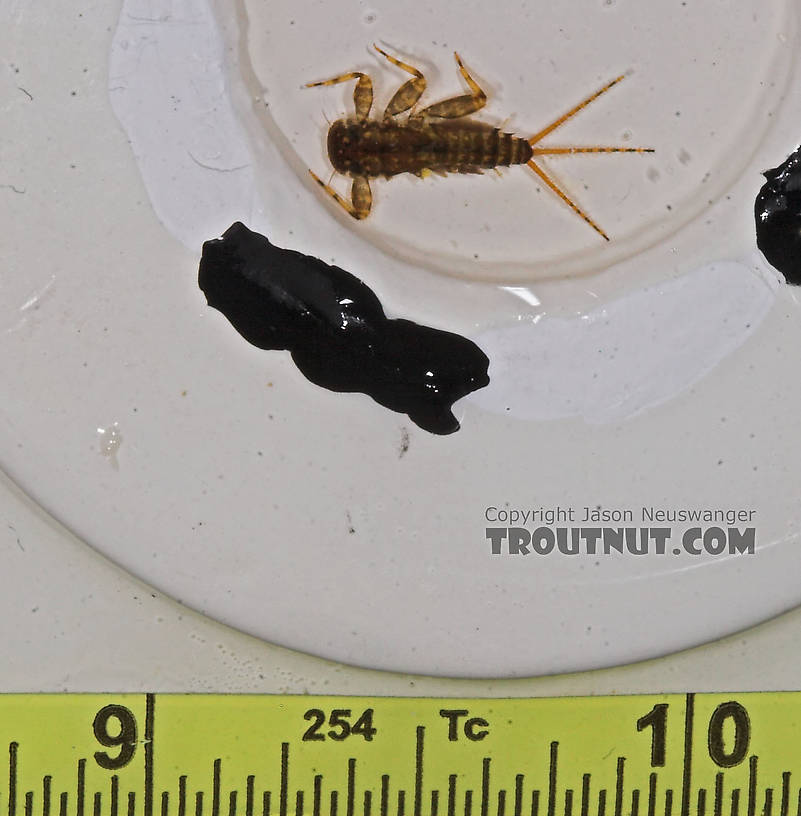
point(463, 149)
point(388, 148)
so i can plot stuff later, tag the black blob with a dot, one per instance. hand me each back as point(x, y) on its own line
point(778, 218)
point(337, 331)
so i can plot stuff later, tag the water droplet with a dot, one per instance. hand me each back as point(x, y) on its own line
point(110, 441)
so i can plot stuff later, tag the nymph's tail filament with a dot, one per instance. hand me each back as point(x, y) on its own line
point(559, 151)
point(555, 151)
point(573, 111)
point(576, 209)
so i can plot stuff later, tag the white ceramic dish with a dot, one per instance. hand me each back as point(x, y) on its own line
point(663, 373)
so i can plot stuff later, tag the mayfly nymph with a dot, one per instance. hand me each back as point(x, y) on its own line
point(437, 139)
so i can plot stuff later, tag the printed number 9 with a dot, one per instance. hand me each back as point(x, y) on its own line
point(125, 740)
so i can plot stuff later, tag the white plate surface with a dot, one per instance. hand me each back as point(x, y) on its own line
point(664, 373)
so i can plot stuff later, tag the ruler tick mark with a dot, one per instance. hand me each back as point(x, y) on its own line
point(689, 707)
point(351, 788)
point(621, 761)
point(585, 794)
point(46, 795)
point(752, 783)
point(249, 795)
point(385, 795)
point(215, 787)
point(718, 806)
point(785, 805)
point(485, 784)
point(284, 778)
point(318, 781)
point(182, 795)
point(81, 791)
point(519, 794)
point(554, 757)
point(418, 769)
point(12, 778)
point(150, 716)
point(452, 795)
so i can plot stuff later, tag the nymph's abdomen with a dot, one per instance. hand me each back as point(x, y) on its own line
point(387, 148)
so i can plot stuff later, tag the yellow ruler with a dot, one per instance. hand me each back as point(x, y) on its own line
point(218, 755)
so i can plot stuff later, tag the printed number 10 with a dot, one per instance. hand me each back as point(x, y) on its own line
point(724, 757)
